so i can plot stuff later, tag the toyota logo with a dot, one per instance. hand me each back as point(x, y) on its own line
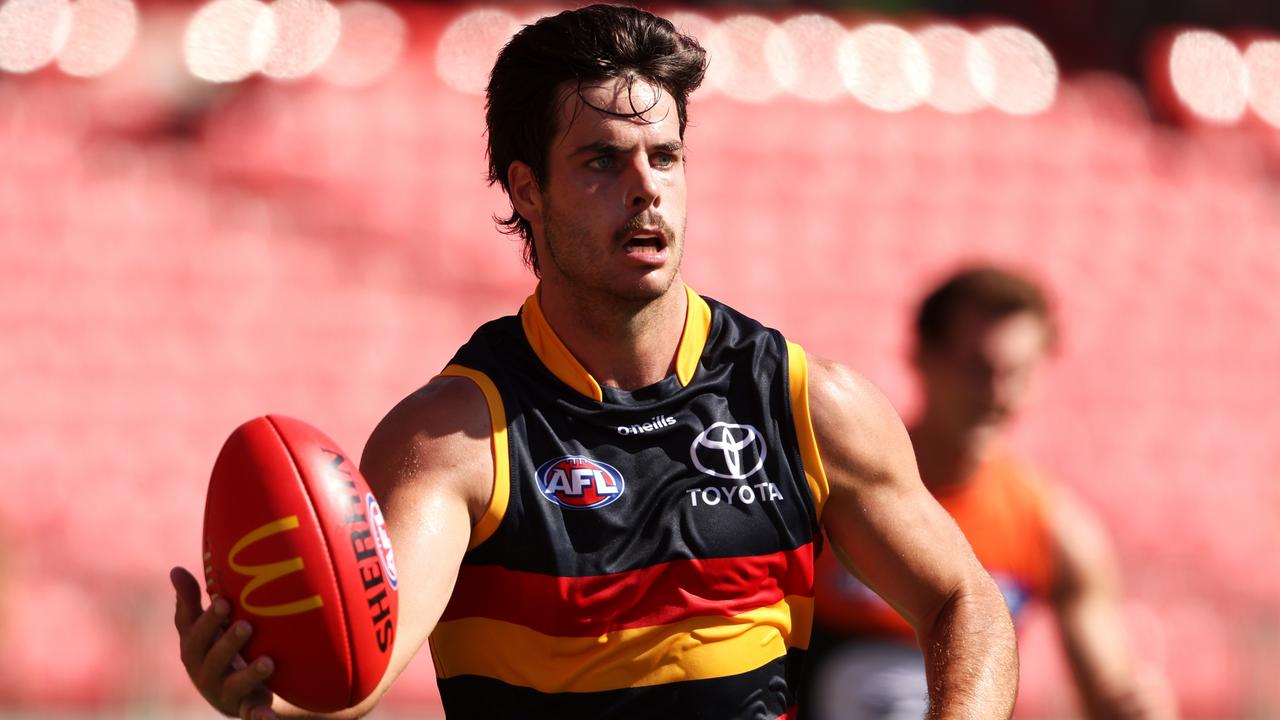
point(726, 450)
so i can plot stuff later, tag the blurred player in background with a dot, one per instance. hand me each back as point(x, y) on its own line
point(607, 506)
point(980, 339)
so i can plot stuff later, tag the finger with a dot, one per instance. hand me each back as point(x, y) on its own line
point(201, 634)
point(218, 661)
point(244, 689)
point(257, 712)
point(253, 711)
point(188, 596)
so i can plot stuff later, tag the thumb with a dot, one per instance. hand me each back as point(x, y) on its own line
point(187, 590)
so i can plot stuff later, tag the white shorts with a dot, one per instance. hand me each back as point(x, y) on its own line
point(871, 681)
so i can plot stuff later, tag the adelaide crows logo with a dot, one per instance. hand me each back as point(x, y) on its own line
point(578, 482)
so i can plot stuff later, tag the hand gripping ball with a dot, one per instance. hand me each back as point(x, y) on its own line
point(296, 542)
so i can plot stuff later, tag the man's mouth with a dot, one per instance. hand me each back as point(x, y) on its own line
point(645, 243)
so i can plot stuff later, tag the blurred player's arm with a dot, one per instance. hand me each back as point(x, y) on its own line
point(905, 546)
point(429, 462)
point(1085, 598)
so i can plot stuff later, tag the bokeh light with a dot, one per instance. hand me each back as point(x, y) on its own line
point(718, 54)
point(32, 32)
point(1014, 71)
point(228, 40)
point(102, 33)
point(307, 32)
point(1208, 75)
point(1262, 62)
point(748, 77)
point(951, 49)
point(469, 46)
point(885, 67)
point(803, 55)
point(372, 40)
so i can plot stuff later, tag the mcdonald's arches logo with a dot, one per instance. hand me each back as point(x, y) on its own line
point(266, 573)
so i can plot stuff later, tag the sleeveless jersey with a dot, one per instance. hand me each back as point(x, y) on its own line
point(1002, 512)
point(648, 553)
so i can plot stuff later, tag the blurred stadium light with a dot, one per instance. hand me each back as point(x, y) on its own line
point(1262, 68)
point(885, 67)
point(466, 51)
point(1202, 77)
point(803, 54)
point(102, 32)
point(1022, 78)
point(749, 76)
point(811, 56)
point(32, 32)
point(229, 40)
point(817, 57)
point(371, 42)
point(957, 59)
point(307, 33)
point(1208, 74)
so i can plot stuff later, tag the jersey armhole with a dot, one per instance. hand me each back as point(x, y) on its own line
point(497, 508)
point(798, 372)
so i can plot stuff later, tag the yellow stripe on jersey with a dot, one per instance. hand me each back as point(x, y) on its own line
point(697, 326)
point(798, 365)
point(551, 350)
point(501, 462)
point(553, 353)
point(695, 649)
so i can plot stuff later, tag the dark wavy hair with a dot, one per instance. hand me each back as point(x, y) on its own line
point(580, 48)
point(993, 291)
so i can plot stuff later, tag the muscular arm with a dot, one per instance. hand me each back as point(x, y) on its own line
point(429, 463)
point(1086, 602)
point(903, 545)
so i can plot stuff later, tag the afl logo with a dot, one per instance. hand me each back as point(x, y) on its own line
point(725, 450)
point(382, 540)
point(578, 482)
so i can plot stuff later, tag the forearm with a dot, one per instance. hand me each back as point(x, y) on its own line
point(1102, 663)
point(971, 657)
point(286, 711)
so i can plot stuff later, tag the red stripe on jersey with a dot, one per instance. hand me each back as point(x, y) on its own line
point(657, 595)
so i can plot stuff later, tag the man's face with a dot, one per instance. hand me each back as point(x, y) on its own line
point(982, 373)
point(613, 206)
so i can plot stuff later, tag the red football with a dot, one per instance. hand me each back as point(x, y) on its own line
point(295, 541)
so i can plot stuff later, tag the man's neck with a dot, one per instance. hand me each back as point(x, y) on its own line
point(625, 346)
point(948, 458)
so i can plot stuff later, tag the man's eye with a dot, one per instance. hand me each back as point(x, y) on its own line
point(601, 163)
point(663, 160)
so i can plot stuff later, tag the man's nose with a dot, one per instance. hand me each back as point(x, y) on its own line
point(643, 190)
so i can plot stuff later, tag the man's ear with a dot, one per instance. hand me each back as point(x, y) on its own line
point(526, 196)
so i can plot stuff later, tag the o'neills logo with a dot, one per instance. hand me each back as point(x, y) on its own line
point(264, 573)
point(656, 423)
point(578, 482)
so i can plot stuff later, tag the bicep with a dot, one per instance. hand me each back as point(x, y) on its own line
point(893, 534)
point(429, 464)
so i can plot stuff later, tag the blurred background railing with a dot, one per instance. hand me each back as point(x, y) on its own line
point(213, 211)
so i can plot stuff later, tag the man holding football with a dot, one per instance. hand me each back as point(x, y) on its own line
point(609, 504)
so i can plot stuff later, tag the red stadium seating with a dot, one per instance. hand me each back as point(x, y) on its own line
point(320, 252)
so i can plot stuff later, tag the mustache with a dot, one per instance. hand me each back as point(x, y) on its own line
point(644, 220)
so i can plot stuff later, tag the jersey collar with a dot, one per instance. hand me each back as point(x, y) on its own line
point(557, 358)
